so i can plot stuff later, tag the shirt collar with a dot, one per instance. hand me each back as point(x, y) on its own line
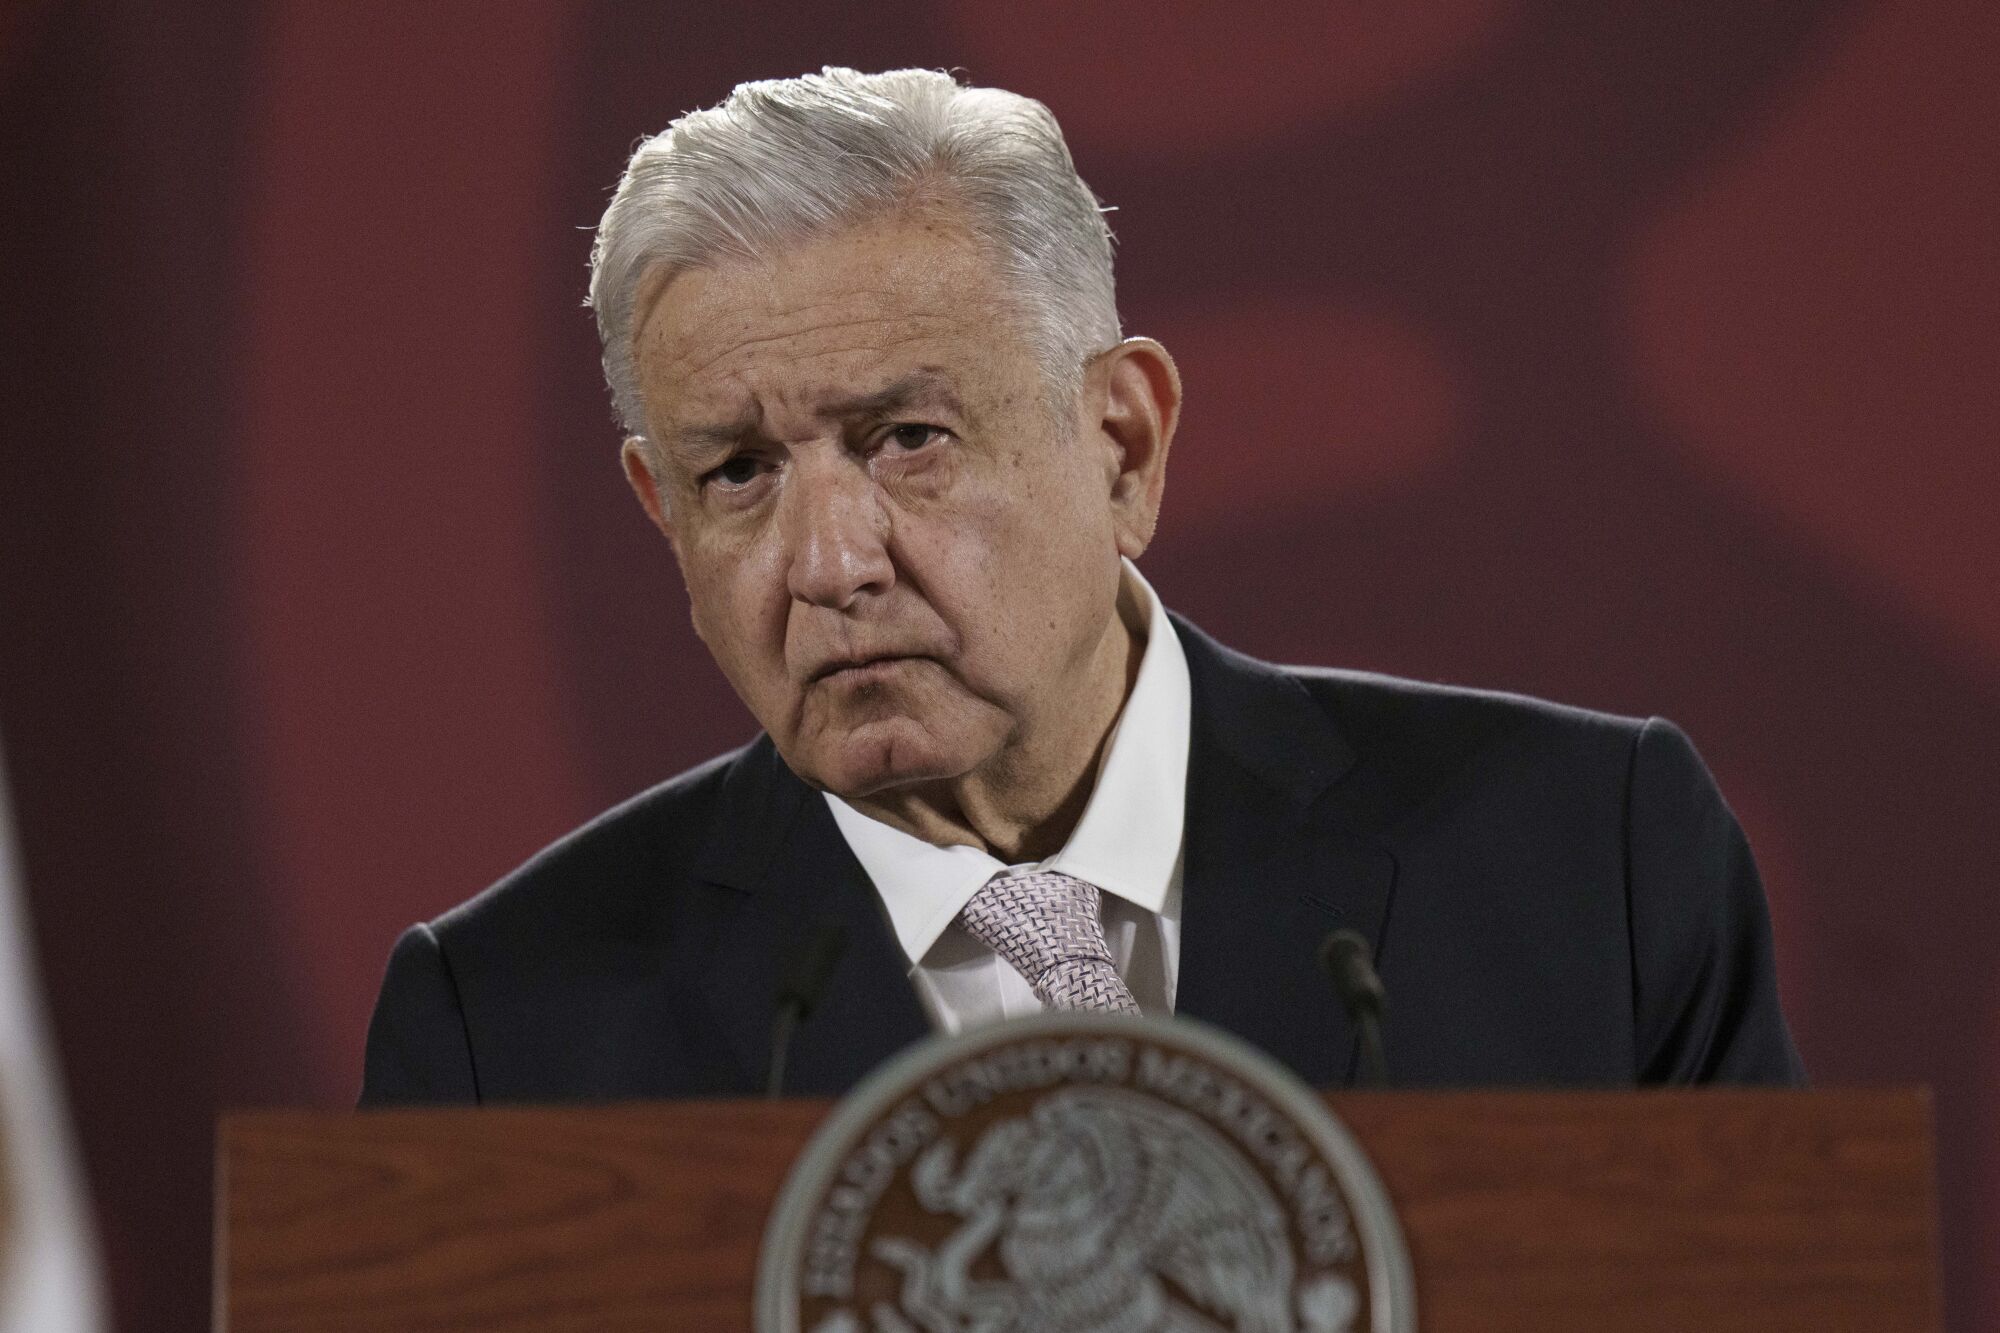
point(1128, 838)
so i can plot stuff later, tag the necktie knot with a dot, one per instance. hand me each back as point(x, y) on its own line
point(1045, 924)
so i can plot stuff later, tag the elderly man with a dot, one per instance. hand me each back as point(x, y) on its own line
point(860, 331)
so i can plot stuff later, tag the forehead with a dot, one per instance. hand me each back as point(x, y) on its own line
point(825, 319)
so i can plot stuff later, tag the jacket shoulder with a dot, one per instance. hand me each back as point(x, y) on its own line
point(1368, 703)
point(599, 875)
point(1574, 817)
point(1421, 739)
point(567, 977)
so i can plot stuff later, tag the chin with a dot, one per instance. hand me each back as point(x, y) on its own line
point(882, 755)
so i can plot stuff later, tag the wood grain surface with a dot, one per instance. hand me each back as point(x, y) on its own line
point(1704, 1210)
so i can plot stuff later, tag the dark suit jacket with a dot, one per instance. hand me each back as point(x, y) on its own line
point(1554, 897)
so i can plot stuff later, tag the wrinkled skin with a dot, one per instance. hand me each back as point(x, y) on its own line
point(903, 555)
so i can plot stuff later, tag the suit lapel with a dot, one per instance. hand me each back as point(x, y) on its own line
point(779, 871)
point(1275, 859)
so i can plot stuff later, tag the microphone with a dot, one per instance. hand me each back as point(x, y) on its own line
point(1345, 956)
point(799, 993)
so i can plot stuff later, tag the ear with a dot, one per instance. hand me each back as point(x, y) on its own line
point(637, 456)
point(1141, 397)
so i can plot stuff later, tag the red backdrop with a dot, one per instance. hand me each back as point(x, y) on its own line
point(1639, 355)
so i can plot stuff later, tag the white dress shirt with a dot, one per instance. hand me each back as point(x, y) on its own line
point(1128, 843)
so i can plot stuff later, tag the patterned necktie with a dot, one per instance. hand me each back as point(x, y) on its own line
point(1045, 924)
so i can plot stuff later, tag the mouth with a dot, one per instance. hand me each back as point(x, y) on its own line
point(862, 669)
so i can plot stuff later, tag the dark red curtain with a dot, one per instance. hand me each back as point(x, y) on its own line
point(1639, 355)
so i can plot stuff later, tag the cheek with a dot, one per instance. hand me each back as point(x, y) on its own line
point(1010, 569)
point(1047, 522)
point(956, 553)
point(737, 596)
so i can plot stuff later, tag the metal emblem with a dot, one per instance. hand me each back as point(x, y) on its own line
point(1083, 1173)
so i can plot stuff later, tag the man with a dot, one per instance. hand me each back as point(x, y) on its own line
point(861, 334)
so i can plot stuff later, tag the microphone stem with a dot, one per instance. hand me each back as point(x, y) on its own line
point(1374, 1066)
point(783, 1024)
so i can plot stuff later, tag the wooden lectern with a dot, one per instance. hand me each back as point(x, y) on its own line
point(1706, 1210)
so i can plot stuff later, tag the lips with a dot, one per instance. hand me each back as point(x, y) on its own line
point(858, 664)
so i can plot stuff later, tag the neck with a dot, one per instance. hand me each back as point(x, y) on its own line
point(1024, 804)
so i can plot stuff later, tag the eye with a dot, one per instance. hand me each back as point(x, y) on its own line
point(738, 471)
point(910, 436)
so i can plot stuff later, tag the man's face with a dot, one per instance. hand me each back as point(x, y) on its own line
point(905, 567)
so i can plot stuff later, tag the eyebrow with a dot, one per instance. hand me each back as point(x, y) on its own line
point(927, 384)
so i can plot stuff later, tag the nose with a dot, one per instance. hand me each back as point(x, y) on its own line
point(839, 534)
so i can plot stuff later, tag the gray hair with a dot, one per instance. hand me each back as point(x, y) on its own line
point(787, 160)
